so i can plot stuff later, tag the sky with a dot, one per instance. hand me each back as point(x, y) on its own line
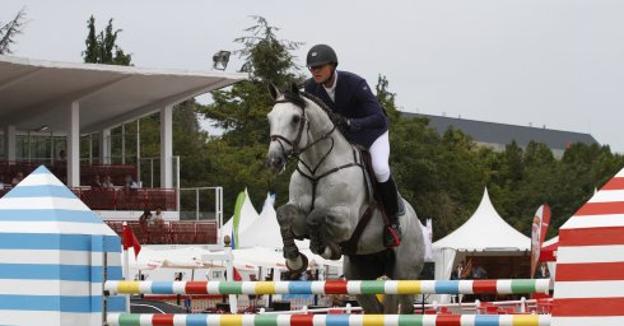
point(553, 63)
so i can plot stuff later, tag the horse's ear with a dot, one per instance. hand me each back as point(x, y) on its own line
point(294, 88)
point(274, 91)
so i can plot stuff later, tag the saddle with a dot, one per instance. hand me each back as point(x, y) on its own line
point(349, 247)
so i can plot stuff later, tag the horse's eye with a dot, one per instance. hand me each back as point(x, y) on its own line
point(296, 119)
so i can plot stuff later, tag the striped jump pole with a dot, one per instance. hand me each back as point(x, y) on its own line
point(123, 319)
point(511, 286)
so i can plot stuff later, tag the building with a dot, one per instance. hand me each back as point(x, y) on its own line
point(498, 135)
point(60, 115)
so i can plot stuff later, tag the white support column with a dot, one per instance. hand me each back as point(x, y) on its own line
point(123, 144)
point(10, 143)
point(166, 147)
point(73, 145)
point(105, 146)
point(138, 152)
point(90, 149)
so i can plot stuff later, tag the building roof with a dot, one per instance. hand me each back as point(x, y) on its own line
point(500, 133)
point(485, 230)
point(34, 93)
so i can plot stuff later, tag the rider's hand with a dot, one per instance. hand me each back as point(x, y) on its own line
point(343, 123)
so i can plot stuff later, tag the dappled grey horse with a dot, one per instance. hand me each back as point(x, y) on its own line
point(328, 197)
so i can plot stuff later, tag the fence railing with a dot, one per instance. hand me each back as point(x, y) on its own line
point(202, 203)
point(123, 199)
point(166, 232)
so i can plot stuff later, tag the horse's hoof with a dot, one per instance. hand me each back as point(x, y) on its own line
point(300, 264)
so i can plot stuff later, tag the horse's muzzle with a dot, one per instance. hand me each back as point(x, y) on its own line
point(276, 162)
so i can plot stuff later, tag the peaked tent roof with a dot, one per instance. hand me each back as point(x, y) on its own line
point(52, 248)
point(485, 230)
point(265, 231)
point(589, 283)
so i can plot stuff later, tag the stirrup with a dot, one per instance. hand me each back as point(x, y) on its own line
point(392, 236)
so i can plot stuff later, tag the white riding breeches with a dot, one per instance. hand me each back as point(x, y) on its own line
point(380, 157)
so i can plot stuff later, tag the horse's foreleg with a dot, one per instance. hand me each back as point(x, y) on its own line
point(286, 215)
point(327, 228)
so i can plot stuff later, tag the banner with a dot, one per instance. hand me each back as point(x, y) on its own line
point(541, 220)
point(236, 218)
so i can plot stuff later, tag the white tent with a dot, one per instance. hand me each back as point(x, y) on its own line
point(485, 232)
point(265, 231)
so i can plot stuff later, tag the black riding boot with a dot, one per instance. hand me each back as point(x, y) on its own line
point(394, 208)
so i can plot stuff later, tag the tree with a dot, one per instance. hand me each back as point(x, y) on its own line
point(9, 30)
point(102, 47)
point(386, 98)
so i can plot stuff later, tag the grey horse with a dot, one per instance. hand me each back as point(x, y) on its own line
point(328, 195)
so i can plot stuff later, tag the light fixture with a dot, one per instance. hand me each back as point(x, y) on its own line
point(42, 128)
point(220, 60)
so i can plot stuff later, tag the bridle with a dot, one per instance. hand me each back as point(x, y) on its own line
point(297, 151)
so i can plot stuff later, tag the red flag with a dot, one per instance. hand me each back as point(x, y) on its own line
point(130, 240)
point(237, 275)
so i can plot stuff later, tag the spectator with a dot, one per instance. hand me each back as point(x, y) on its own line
point(17, 179)
point(97, 183)
point(145, 218)
point(130, 183)
point(542, 271)
point(457, 273)
point(62, 155)
point(479, 273)
point(2, 182)
point(107, 184)
point(158, 216)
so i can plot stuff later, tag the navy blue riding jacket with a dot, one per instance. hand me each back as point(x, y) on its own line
point(356, 102)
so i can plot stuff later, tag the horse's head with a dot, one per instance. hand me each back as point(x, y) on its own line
point(287, 121)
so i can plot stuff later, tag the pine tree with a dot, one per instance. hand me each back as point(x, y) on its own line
point(102, 47)
point(9, 30)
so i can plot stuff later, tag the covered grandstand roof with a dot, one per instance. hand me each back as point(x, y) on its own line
point(34, 92)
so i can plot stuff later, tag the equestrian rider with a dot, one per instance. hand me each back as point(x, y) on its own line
point(364, 120)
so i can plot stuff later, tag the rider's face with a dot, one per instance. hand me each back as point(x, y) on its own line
point(321, 73)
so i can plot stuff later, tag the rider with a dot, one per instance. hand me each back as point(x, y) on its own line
point(366, 124)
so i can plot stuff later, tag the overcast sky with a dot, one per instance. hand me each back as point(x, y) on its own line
point(545, 62)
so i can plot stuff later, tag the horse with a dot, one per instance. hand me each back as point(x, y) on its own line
point(329, 193)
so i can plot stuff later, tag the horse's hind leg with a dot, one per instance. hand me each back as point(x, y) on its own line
point(369, 303)
point(390, 304)
point(287, 215)
point(358, 268)
point(407, 304)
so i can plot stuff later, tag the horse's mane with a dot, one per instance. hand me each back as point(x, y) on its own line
point(298, 99)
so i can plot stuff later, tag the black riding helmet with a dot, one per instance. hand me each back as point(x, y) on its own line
point(321, 54)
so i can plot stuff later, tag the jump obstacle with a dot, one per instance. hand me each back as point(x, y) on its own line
point(115, 319)
point(510, 286)
point(588, 287)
